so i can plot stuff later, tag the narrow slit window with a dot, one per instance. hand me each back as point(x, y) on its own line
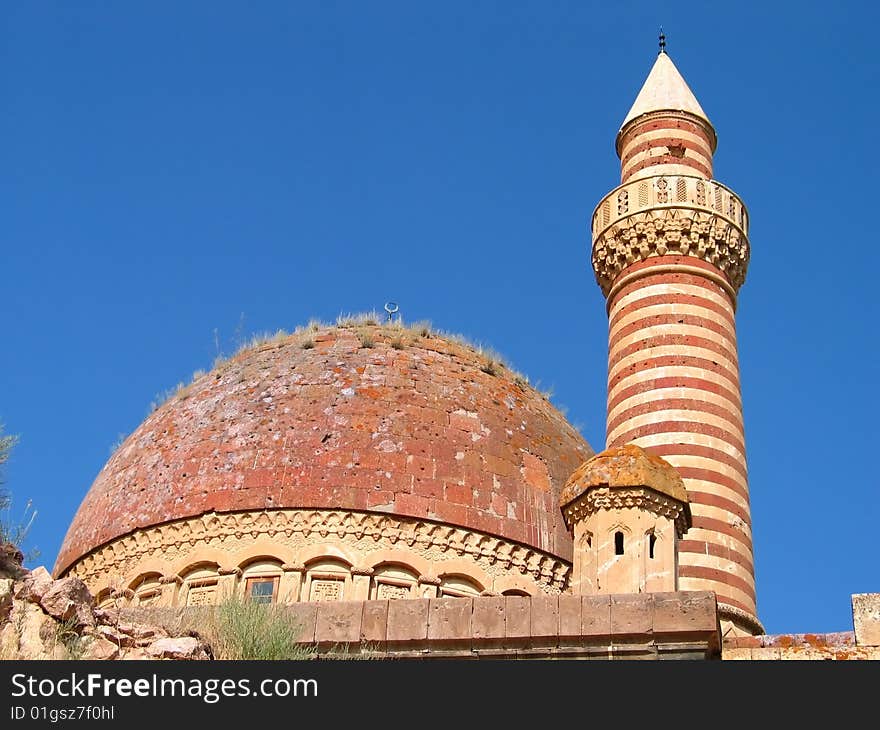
point(618, 543)
point(652, 541)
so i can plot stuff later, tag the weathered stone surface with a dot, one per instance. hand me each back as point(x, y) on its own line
point(69, 600)
point(632, 616)
point(449, 620)
point(6, 589)
point(837, 646)
point(408, 621)
point(569, 618)
point(374, 625)
point(39, 636)
point(97, 647)
point(8, 641)
point(33, 586)
point(44, 619)
point(596, 618)
point(694, 612)
point(11, 559)
point(338, 622)
point(119, 636)
point(866, 618)
point(624, 466)
point(184, 647)
point(517, 620)
point(488, 620)
point(304, 615)
point(141, 632)
point(459, 445)
point(545, 621)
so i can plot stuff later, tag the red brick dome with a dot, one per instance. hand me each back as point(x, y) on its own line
point(361, 417)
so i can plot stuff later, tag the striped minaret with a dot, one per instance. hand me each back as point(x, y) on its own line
point(670, 250)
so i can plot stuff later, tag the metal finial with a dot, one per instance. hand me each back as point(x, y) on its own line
point(392, 308)
point(662, 40)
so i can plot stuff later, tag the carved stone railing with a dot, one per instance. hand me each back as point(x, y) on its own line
point(670, 214)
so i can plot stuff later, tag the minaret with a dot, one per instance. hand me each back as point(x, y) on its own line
point(670, 251)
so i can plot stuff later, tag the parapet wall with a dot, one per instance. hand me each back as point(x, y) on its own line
point(863, 642)
point(632, 626)
point(681, 625)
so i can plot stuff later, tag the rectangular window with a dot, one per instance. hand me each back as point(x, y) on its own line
point(262, 590)
point(201, 593)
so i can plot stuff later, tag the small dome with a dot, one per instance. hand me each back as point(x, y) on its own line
point(362, 417)
point(625, 466)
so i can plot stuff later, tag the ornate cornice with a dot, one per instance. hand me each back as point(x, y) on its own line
point(366, 530)
point(670, 214)
point(598, 498)
point(737, 615)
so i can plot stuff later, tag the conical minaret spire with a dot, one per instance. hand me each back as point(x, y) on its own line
point(666, 129)
point(670, 251)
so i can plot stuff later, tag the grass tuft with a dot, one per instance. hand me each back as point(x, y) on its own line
point(249, 630)
point(490, 367)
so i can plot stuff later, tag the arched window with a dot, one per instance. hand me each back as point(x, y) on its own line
point(327, 579)
point(147, 590)
point(200, 586)
point(393, 581)
point(104, 599)
point(261, 579)
point(458, 586)
point(618, 543)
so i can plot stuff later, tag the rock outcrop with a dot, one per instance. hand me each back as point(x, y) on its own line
point(42, 618)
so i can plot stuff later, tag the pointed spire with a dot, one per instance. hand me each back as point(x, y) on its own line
point(664, 89)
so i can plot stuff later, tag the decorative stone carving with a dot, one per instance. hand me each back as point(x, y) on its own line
point(710, 226)
point(392, 591)
point(364, 531)
point(738, 617)
point(327, 589)
point(203, 595)
point(620, 498)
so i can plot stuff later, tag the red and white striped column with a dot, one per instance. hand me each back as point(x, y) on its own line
point(673, 388)
point(670, 250)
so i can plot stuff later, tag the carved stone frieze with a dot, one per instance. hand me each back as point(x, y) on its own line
point(627, 498)
point(677, 215)
point(363, 531)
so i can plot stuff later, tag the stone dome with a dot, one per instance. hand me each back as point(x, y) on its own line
point(359, 417)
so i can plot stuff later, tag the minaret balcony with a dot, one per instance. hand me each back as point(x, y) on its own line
point(670, 214)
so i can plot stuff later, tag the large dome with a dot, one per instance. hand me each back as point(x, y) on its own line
point(366, 418)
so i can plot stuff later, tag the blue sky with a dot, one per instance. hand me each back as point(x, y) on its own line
point(177, 176)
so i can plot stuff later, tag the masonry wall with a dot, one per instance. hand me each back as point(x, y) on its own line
point(863, 642)
point(681, 625)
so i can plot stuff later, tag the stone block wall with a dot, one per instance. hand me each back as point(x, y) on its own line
point(861, 643)
point(680, 625)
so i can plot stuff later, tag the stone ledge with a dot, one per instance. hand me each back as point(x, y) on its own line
point(682, 625)
point(866, 618)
